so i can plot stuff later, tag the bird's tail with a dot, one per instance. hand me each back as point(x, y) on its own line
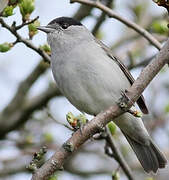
point(150, 157)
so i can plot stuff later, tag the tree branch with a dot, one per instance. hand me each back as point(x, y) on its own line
point(83, 12)
point(57, 160)
point(12, 112)
point(26, 23)
point(130, 24)
point(28, 43)
point(22, 114)
point(142, 63)
point(23, 88)
point(101, 18)
point(118, 155)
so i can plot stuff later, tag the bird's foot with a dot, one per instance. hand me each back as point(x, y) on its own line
point(122, 102)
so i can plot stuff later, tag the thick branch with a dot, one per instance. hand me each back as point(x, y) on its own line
point(22, 114)
point(78, 138)
point(23, 88)
point(130, 24)
point(14, 109)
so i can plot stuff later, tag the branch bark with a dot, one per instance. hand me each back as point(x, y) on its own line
point(83, 12)
point(57, 160)
point(101, 18)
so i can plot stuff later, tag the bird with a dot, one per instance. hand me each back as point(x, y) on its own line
point(92, 79)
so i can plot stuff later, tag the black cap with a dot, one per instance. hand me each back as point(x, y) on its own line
point(65, 22)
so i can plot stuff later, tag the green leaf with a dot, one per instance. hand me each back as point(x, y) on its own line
point(82, 118)
point(70, 117)
point(46, 48)
point(33, 28)
point(48, 137)
point(8, 11)
point(116, 176)
point(160, 27)
point(139, 9)
point(99, 35)
point(112, 127)
point(149, 178)
point(54, 177)
point(167, 108)
point(5, 47)
point(26, 8)
point(76, 121)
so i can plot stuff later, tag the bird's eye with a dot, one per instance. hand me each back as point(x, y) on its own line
point(65, 25)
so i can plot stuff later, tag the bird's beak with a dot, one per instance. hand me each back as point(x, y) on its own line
point(46, 29)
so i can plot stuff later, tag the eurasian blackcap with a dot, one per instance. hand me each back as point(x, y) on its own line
point(92, 79)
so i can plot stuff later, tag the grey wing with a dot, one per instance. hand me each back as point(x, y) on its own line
point(140, 101)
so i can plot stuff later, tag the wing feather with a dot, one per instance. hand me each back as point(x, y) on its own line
point(140, 101)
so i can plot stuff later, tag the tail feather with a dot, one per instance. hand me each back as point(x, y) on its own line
point(161, 159)
point(150, 157)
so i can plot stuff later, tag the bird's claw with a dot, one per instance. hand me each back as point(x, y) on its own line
point(124, 100)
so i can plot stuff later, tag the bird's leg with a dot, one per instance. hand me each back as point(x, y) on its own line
point(122, 102)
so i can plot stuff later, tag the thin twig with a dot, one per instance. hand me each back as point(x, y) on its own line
point(56, 121)
point(118, 155)
point(83, 12)
point(25, 41)
point(125, 21)
point(26, 23)
point(142, 63)
point(101, 18)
